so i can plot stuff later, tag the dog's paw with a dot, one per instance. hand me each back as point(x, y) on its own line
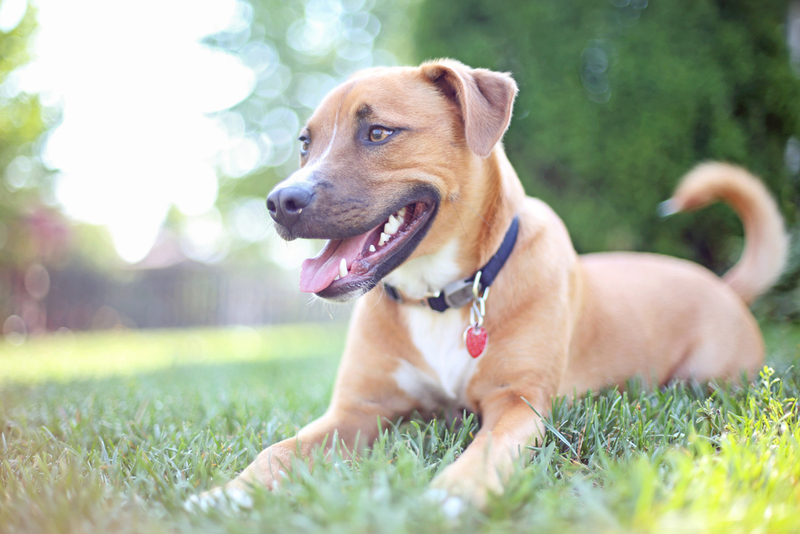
point(471, 483)
point(452, 506)
point(229, 499)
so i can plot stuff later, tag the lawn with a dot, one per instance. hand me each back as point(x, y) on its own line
point(111, 432)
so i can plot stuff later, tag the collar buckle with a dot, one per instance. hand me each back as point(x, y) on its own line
point(458, 293)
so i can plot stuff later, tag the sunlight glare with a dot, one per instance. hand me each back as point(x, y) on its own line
point(136, 85)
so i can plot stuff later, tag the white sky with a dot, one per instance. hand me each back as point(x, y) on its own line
point(136, 85)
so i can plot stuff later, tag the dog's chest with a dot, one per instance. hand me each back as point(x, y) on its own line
point(437, 336)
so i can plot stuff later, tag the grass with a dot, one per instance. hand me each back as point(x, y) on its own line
point(111, 432)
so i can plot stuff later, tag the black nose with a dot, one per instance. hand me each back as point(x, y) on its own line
point(286, 203)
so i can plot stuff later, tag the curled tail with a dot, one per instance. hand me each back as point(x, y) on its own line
point(766, 242)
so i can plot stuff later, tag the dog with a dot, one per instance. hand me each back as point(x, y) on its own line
point(471, 294)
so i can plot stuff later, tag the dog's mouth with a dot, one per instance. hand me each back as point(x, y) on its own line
point(356, 264)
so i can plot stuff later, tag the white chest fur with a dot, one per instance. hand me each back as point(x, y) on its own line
point(437, 336)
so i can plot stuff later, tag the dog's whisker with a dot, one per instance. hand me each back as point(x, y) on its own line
point(472, 210)
point(459, 217)
point(383, 294)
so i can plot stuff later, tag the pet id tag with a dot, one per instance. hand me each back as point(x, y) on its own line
point(475, 336)
point(476, 339)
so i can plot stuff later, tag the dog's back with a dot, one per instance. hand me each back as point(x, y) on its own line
point(643, 308)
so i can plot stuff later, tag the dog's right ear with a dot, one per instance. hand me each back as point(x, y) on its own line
point(484, 97)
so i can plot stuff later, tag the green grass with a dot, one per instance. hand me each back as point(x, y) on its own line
point(111, 432)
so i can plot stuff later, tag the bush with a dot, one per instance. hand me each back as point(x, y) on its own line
point(618, 99)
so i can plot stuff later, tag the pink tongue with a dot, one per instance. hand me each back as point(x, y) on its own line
point(317, 273)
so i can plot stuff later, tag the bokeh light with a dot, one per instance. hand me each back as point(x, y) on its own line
point(160, 100)
point(137, 135)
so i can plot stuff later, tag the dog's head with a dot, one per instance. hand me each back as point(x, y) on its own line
point(378, 157)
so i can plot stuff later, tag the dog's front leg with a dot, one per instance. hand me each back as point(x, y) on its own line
point(364, 394)
point(510, 425)
point(353, 428)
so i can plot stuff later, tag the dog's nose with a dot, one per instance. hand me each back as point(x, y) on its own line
point(286, 203)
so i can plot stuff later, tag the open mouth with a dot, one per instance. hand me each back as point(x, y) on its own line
point(358, 263)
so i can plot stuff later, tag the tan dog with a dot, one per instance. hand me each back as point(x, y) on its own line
point(422, 145)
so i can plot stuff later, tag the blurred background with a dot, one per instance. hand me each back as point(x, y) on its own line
point(138, 139)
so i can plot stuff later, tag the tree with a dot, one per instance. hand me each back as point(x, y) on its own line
point(619, 98)
point(22, 178)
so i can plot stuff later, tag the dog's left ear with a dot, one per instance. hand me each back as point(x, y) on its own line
point(484, 97)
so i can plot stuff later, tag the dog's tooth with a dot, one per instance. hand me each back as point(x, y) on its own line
point(392, 226)
point(384, 238)
point(372, 248)
point(343, 268)
point(337, 278)
point(396, 224)
point(401, 214)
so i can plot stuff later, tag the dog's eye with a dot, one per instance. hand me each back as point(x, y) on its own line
point(305, 144)
point(378, 134)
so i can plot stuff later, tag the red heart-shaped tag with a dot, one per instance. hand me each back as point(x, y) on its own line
point(476, 340)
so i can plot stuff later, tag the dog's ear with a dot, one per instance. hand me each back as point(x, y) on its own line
point(484, 97)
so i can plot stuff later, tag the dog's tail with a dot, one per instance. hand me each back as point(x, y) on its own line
point(766, 242)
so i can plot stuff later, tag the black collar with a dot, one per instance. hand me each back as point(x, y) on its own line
point(459, 293)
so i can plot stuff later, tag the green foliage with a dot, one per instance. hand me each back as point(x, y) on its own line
point(117, 447)
point(20, 119)
point(616, 103)
point(23, 180)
